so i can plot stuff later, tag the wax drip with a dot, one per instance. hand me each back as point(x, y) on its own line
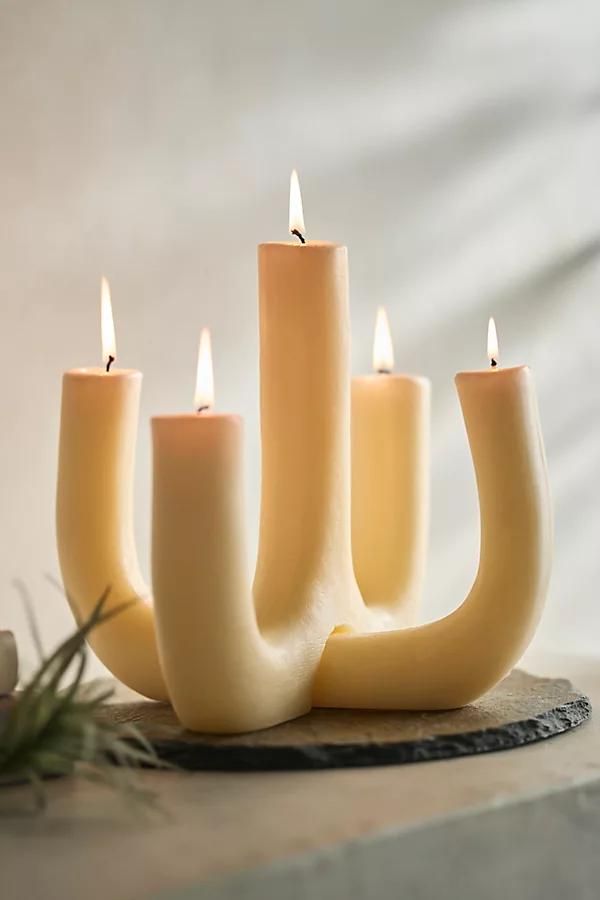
point(299, 235)
point(111, 360)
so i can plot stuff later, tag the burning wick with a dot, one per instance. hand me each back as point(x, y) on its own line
point(297, 227)
point(107, 326)
point(383, 349)
point(492, 344)
point(204, 397)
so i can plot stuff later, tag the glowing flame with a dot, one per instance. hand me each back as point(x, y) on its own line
point(296, 212)
point(383, 349)
point(107, 326)
point(492, 343)
point(204, 397)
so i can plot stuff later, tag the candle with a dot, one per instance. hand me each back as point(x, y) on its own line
point(95, 540)
point(236, 659)
point(390, 481)
point(304, 562)
point(451, 662)
point(205, 622)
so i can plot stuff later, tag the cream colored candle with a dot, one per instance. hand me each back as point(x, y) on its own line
point(205, 622)
point(454, 660)
point(304, 566)
point(390, 482)
point(304, 555)
point(96, 546)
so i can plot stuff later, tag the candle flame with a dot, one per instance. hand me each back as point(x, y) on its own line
point(492, 343)
point(383, 349)
point(107, 326)
point(296, 212)
point(204, 397)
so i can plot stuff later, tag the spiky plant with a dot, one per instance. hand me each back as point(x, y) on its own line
point(51, 730)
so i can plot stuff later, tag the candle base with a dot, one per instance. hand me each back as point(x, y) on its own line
point(522, 709)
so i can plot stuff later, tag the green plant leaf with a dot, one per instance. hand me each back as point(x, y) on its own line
point(53, 730)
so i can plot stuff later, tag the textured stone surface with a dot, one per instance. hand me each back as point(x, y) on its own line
point(521, 710)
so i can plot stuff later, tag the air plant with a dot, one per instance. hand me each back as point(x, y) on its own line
point(49, 729)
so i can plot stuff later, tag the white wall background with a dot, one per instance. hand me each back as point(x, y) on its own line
point(454, 146)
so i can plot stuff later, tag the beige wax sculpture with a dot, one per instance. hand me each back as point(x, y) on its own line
point(452, 661)
point(390, 482)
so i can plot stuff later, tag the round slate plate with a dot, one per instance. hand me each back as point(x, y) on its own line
point(521, 710)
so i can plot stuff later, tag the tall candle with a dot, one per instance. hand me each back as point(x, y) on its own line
point(95, 539)
point(390, 482)
point(304, 563)
point(452, 661)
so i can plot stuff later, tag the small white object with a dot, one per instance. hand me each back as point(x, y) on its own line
point(9, 662)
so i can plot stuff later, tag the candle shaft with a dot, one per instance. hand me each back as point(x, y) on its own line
point(94, 524)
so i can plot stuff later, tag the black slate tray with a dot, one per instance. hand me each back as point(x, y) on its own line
point(521, 710)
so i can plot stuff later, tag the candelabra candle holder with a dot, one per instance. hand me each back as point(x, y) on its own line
point(329, 620)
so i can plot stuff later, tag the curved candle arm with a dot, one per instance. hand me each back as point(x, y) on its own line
point(452, 661)
point(227, 669)
point(94, 523)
